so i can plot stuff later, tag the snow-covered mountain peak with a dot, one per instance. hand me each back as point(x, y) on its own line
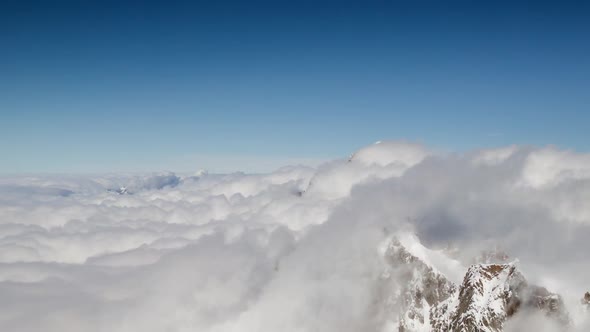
point(422, 285)
point(487, 296)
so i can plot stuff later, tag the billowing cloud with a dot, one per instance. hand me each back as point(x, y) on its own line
point(298, 249)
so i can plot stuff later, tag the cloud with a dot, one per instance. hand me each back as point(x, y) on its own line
point(550, 166)
point(232, 163)
point(296, 249)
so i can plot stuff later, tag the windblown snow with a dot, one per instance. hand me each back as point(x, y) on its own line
point(395, 238)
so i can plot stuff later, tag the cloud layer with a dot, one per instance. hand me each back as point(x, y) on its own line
point(297, 249)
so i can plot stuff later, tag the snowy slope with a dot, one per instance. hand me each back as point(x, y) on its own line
point(488, 295)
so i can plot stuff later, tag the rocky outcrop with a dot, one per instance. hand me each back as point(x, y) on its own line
point(539, 298)
point(488, 295)
point(492, 293)
point(485, 298)
point(423, 287)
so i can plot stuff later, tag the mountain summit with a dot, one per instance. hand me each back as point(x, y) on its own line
point(488, 296)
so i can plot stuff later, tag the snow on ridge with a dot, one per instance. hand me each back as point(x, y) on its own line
point(437, 259)
point(488, 295)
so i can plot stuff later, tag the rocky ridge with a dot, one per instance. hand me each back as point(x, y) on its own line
point(489, 294)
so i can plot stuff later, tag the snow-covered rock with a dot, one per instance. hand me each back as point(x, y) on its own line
point(485, 298)
point(422, 287)
point(489, 294)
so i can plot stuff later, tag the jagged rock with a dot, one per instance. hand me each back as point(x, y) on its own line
point(586, 300)
point(483, 302)
point(539, 298)
point(491, 293)
point(423, 287)
point(488, 295)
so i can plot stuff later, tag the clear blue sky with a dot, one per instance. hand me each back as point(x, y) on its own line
point(112, 85)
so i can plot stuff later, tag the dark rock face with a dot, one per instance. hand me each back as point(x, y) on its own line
point(586, 301)
point(539, 298)
point(423, 289)
point(492, 293)
point(485, 297)
point(488, 295)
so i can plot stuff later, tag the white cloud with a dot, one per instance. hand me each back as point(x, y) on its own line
point(551, 166)
point(297, 249)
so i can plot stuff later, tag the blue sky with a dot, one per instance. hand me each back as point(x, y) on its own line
point(109, 86)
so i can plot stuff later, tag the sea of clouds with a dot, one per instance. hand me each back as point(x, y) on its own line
point(293, 250)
